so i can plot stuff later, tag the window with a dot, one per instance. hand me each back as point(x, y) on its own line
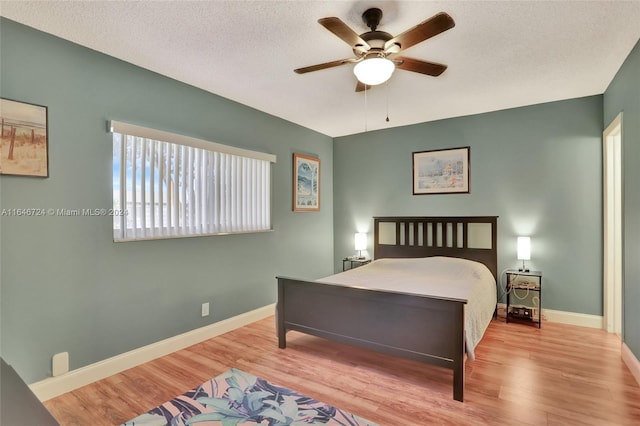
point(167, 186)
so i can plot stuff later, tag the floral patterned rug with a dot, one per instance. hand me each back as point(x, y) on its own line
point(238, 398)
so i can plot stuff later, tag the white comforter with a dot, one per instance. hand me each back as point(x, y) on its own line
point(433, 276)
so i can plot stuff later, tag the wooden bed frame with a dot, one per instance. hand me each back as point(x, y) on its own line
point(428, 329)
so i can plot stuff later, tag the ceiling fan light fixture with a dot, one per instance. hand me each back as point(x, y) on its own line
point(373, 71)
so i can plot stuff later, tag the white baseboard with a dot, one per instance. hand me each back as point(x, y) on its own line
point(562, 317)
point(573, 318)
point(632, 362)
point(54, 386)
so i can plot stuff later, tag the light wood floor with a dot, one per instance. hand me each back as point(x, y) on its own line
point(558, 375)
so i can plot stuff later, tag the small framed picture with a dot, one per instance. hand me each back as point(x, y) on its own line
point(24, 141)
point(306, 183)
point(443, 171)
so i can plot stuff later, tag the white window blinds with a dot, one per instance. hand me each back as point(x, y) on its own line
point(167, 186)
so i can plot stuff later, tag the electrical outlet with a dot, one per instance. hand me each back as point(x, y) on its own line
point(502, 310)
point(60, 364)
point(205, 309)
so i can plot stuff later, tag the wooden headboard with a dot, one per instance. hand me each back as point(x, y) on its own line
point(468, 237)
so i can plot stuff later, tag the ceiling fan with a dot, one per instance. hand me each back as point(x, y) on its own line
point(376, 50)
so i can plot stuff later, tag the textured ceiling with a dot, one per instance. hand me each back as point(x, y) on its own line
point(501, 54)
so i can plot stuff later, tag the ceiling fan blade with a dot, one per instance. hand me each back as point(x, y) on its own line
point(360, 86)
point(429, 68)
point(325, 65)
point(421, 32)
point(346, 34)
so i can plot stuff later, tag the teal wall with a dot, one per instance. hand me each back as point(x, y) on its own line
point(623, 95)
point(538, 168)
point(65, 286)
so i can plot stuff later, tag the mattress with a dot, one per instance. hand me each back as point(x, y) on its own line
point(441, 277)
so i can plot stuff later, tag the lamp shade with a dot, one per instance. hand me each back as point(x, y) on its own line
point(374, 71)
point(524, 248)
point(361, 241)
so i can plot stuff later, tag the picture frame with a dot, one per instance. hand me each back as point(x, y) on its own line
point(441, 171)
point(306, 183)
point(24, 139)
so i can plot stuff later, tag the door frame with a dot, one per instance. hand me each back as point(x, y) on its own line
point(613, 224)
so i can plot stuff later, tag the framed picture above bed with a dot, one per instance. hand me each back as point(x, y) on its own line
point(443, 171)
point(306, 183)
point(24, 146)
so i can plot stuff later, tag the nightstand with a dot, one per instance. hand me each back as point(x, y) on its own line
point(524, 288)
point(350, 263)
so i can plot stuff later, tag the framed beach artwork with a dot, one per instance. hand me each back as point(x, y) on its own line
point(443, 171)
point(306, 183)
point(24, 142)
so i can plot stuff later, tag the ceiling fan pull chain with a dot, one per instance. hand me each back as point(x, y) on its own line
point(387, 84)
point(365, 108)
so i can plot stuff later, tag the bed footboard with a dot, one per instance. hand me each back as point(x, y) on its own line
point(422, 328)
